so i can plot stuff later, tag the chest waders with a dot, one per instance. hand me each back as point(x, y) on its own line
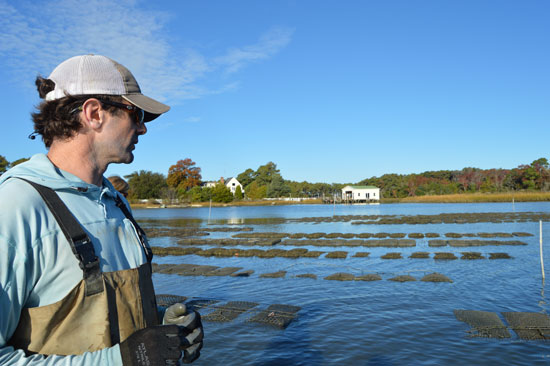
point(103, 309)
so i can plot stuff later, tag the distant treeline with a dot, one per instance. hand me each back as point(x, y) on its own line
point(184, 183)
point(267, 182)
point(533, 177)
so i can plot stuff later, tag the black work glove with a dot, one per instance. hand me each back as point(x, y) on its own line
point(190, 321)
point(154, 346)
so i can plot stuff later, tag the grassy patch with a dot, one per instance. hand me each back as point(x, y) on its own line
point(475, 197)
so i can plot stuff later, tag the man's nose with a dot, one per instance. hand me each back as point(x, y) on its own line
point(142, 129)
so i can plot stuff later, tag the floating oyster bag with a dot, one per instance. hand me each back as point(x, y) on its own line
point(529, 325)
point(229, 311)
point(483, 323)
point(277, 315)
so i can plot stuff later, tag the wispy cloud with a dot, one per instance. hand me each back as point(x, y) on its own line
point(269, 44)
point(36, 36)
point(192, 119)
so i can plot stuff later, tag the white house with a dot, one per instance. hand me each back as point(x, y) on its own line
point(232, 183)
point(210, 184)
point(360, 193)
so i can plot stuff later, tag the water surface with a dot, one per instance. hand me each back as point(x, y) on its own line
point(366, 323)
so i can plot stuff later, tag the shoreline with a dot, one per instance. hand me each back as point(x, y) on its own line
point(451, 198)
point(230, 204)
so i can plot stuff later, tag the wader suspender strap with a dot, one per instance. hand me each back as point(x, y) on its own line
point(141, 233)
point(76, 236)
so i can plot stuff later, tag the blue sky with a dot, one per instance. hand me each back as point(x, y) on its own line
point(330, 91)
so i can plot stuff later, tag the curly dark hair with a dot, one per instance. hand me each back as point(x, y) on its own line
point(58, 118)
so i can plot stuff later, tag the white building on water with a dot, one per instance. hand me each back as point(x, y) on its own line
point(360, 194)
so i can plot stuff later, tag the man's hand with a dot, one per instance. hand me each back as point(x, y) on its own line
point(158, 345)
point(190, 322)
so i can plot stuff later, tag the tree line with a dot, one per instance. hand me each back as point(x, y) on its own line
point(531, 177)
point(184, 183)
point(267, 182)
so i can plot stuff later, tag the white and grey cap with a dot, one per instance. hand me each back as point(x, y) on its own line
point(95, 74)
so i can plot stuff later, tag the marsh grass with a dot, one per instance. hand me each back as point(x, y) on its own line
point(475, 197)
point(449, 198)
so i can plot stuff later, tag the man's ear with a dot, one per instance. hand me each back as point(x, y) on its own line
point(91, 113)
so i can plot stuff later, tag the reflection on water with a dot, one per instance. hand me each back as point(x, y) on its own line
point(364, 322)
point(235, 221)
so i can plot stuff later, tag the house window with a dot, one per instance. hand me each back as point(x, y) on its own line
point(358, 194)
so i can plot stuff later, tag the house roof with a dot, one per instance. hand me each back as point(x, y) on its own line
point(362, 187)
point(229, 180)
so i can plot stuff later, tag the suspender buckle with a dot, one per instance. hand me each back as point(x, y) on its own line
point(85, 252)
point(89, 263)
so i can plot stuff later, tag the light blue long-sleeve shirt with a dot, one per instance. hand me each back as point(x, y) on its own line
point(37, 266)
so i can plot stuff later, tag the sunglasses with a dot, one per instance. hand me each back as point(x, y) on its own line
point(138, 113)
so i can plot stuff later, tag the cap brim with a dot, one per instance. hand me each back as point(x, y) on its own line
point(152, 108)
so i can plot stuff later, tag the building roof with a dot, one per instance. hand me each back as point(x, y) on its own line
point(229, 179)
point(362, 187)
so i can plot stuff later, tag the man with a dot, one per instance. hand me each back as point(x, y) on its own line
point(75, 268)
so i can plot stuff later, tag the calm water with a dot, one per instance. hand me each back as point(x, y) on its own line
point(368, 323)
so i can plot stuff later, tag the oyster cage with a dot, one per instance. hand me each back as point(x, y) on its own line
point(276, 315)
point(527, 326)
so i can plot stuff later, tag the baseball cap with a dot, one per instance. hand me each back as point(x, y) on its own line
point(96, 74)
